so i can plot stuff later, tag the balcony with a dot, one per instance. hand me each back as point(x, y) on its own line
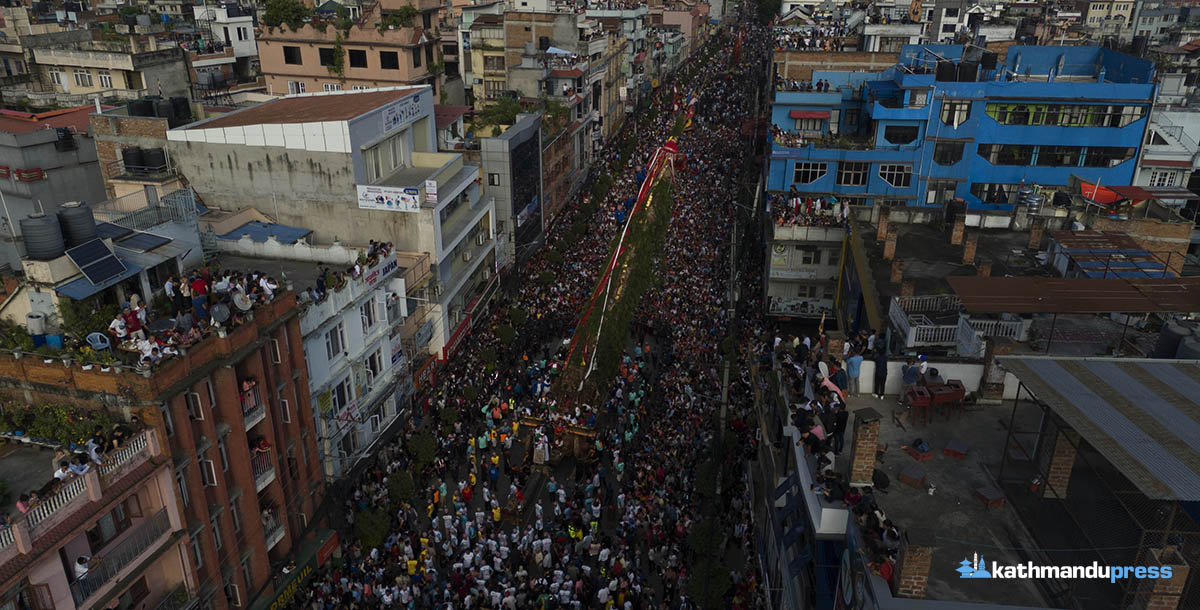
point(128, 550)
point(933, 321)
point(178, 599)
point(264, 471)
point(273, 529)
point(253, 409)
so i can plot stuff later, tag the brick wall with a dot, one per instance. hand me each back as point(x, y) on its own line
point(1061, 463)
point(866, 440)
point(1167, 240)
point(912, 573)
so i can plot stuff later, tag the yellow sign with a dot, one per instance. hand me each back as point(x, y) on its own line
point(325, 402)
point(285, 596)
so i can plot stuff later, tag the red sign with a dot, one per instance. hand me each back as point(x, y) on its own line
point(424, 375)
point(327, 549)
point(457, 337)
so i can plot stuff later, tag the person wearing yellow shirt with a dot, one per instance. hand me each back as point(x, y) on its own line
point(412, 567)
point(496, 514)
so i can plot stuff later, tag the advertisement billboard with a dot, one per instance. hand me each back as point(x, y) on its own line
point(392, 199)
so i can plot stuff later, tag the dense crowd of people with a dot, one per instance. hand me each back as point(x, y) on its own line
point(827, 37)
point(606, 527)
point(797, 209)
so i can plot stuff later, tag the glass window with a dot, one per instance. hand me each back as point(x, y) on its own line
point(358, 58)
point(105, 79)
point(852, 173)
point(367, 312)
point(807, 173)
point(335, 342)
point(808, 124)
point(333, 86)
point(416, 58)
point(947, 153)
point(389, 60)
point(326, 56)
point(1163, 177)
point(83, 78)
point(215, 523)
point(955, 112)
point(896, 174)
point(291, 56)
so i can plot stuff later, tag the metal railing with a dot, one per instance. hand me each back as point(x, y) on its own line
point(136, 446)
point(6, 537)
point(938, 302)
point(136, 211)
point(57, 500)
point(274, 535)
point(997, 328)
point(178, 599)
point(934, 335)
point(264, 470)
point(108, 565)
point(253, 410)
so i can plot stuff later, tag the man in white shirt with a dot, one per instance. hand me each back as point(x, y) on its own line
point(64, 471)
point(81, 566)
point(117, 326)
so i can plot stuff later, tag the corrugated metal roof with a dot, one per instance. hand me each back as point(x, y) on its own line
point(260, 231)
point(311, 108)
point(1143, 416)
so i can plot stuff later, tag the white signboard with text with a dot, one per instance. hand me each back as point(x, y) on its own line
point(392, 199)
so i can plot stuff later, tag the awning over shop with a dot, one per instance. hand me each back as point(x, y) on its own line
point(809, 114)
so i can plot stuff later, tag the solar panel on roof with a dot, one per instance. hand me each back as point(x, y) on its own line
point(88, 253)
point(143, 241)
point(108, 230)
point(96, 261)
point(104, 270)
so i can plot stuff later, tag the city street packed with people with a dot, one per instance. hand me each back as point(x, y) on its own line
point(611, 528)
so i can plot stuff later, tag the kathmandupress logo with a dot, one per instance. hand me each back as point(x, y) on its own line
point(977, 568)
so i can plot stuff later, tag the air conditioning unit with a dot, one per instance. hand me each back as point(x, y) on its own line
point(487, 274)
point(437, 290)
point(466, 256)
point(479, 239)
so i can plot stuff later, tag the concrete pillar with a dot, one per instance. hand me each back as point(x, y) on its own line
point(1036, 228)
point(969, 246)
point(897, 271)
point(889, 246)
point(885, 214)
point(912, 570)
point(1165, 593)
point(1062, 461)
point(91, 480)
point(991, 386)
point(866, 441)
point(906, 289)
point(985, 267)
point(24, 542)
point(956, 232)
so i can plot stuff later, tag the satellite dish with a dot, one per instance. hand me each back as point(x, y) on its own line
point(822, 366)
point(220, 312)
point(242, 302)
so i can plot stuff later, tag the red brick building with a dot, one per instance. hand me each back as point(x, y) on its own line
point(238, 464)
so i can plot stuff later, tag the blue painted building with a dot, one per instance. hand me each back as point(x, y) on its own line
point(939, 126)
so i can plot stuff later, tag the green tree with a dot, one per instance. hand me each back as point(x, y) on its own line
point(81, 318)
point(338, 67)
point(488, 354)
point(501, 112)
point(448, 415)
point(518, 317)
point(546, 278)
point(422, 448)
point(470, 392)
point(506, 334)
point(286, 12)
point(706, 538)
point(706, 479)
point(708, 583)
point(400, 487)
point(372, 527)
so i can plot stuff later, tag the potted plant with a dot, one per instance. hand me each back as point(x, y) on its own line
point(106, 361)
point(87, 358)
point(47, 354)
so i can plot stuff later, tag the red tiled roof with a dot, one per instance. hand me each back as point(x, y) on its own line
point(72, 525)
point(308, 109)
point(572, 73)
point(12, 121)
point(445, 115)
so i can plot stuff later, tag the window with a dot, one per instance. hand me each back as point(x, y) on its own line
point(950, 13)
point(105, 79)
point(1058, 156)
point(1106, 156)
point(389, 60)
point(947, 153)
point(374, 365)
point(992, 192)
point(276, 356)
point(212, 392)
point(940, 192)
point(852, 173)
point(368, 314)
point(809, 256)
point(243, 33)
point(493, 62)
point(851, 118)
point(493, 88)
point(807, 173)
point(918, 99)
point(1163, 177)
point(493, 179)
point(181, 485)
point(949, 28)
point(197, 553)
point(358, 58)
point(900, 134)
point(223, 453)
point(326, 56)
point(1065, 115)
point(955, 112)
point(342, 394)
point(295, 87)
point(896, 174)
point(416, 58)
point(208, 472)
point(285, 410)
point(235, 515)
point(333, 86)
point(168, 423)
point(56, 77)
point(808, 124)
point(215, 523)
point(233, 595)
point(379, 160)
point(428, 50)
point(359, 87)
point(246, 572)
point(1007, 154)
point(291, 55)
point(335, 342)
point(83, 78)
point(194, 407)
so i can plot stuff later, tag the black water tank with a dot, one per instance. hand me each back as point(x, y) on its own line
point(945, 71)
point(43, 237)
point(543, 43)
point(141, 108)
point(181, 109)
point(164, 109)
point(77, 223)
point(988, 62)
point(967, 71)
point(156, 159)
point(1140, 45)
point(133, 160)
